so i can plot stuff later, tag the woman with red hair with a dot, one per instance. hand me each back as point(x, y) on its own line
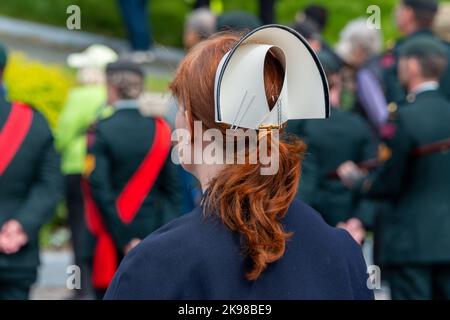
point(249, 239)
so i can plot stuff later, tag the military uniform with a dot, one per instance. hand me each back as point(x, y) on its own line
point(345, 136)
point(414, 242)
point(120, 145)
point(445, 80)
point(30, 187)
point(416, 235)
point(394, 91)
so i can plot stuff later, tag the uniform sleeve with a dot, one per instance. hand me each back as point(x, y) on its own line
point(387, 179)
point(308, 188)
point(44, 194)
point(103, 193)
point(366, 209)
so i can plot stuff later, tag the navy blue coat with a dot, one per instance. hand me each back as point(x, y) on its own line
point(194, 257)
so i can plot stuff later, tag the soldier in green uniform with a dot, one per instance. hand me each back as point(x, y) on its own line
point(414, 19)
point(133, 183)
point(30, 187)
point(416, 234)
point(344, 136)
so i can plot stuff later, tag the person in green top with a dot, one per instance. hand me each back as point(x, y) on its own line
point(84, 105)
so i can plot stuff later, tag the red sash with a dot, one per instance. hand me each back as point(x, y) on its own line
point(128, 204)
point(14, 132)
point(140, 184)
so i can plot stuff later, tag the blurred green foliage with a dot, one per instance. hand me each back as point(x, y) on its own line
point(54, 235)
point(167, 16)
point(45, 87)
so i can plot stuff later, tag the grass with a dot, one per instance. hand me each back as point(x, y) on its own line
point(167, 16)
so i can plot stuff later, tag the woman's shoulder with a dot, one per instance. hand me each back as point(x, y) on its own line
point(312, 228)
point(332, 251)
point(172, 261)
point(169, 254)
point(179, 236)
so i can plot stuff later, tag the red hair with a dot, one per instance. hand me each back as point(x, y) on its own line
point(247, 202)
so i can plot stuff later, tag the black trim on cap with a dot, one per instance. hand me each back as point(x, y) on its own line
point(305, 43)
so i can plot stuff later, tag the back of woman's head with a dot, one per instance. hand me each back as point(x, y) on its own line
point(246, 201)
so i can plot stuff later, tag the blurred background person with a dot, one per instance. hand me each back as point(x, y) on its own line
point(345, 136)
point(309, 32)
point(199, 25)
point(266, 9)
point(416, 239)
point(30, 187)
point(315, 18)
point(138, 25)
point(240, 21)
point(359, 47)
point(84, 105)
point(414, 18)
point(132, 181)
point(316, 15)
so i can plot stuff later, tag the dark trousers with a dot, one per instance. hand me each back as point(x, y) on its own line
point(14, 291)
point(134, 13)
point(266, 12)
point(81, 239)
point(420, 282)
point(201, 4)
point(15, 283)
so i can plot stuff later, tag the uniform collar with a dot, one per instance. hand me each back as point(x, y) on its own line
point(126, 105)
point(426, 86)
point(422, 88)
